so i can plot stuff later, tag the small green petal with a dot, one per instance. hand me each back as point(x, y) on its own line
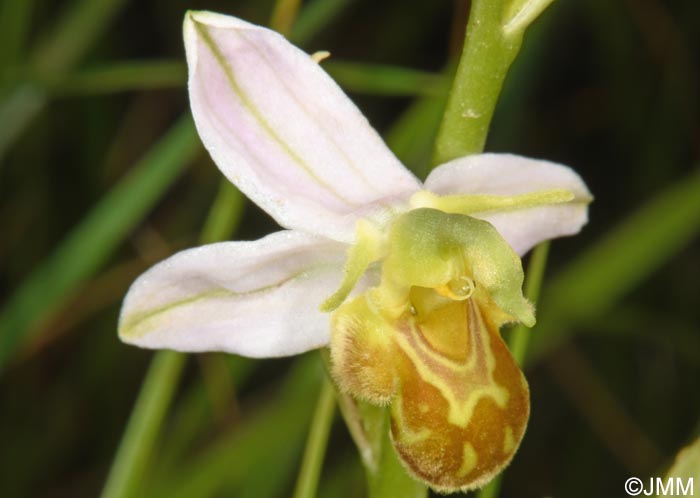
point(367, 249)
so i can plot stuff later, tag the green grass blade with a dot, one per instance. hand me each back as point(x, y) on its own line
point(315, 15)
point(74, 34)
point(224, 215)
point(193, 415)
point(412, 135)
point(120, 77)
point(284, 15)
point(14, 23)
point(71, 38)
point(344, 479)
point(136, 447)
point(378, 79)
point(371, 79)
point(277, 426)
point(90, 243)
point(17, 109)
point(307, 484)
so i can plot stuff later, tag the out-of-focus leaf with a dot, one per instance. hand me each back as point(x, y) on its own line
point(277, 426)
point(371, 79)
point(377, 79)
point(345, 479)
point(121, 76)
point(316, 15)
point(92, 241)
point(315, 451)
point(75, 33)
point(194, 414)
point(144, 423)
point(283, 15)
point(412, 136)
point(14, 24)
point(17, 108)
point(686, 466)
point(71, 38)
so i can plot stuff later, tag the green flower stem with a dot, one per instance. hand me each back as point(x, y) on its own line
point(520, 335)
point(136, 446)
point(307, 482)
point(487, 54)
point(492, 489)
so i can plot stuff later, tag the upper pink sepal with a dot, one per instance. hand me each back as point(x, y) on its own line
point(282, 130)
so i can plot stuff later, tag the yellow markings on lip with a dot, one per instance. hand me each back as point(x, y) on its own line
point(469, 460)
point(409, 436)
point(447, 376)
point(478, 402)
point(508, 440)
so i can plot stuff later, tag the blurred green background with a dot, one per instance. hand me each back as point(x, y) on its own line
point(102, 175)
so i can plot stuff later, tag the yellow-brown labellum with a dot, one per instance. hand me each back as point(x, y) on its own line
point(459, 402)
point(426, 341)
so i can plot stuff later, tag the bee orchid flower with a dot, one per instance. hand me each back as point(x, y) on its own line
point(407, 282)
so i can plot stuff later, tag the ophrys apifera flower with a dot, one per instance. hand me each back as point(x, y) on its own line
point(408, 282)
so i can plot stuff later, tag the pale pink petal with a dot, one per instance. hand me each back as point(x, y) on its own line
point(280, 129)
point(507, 174)
point(258, 299)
